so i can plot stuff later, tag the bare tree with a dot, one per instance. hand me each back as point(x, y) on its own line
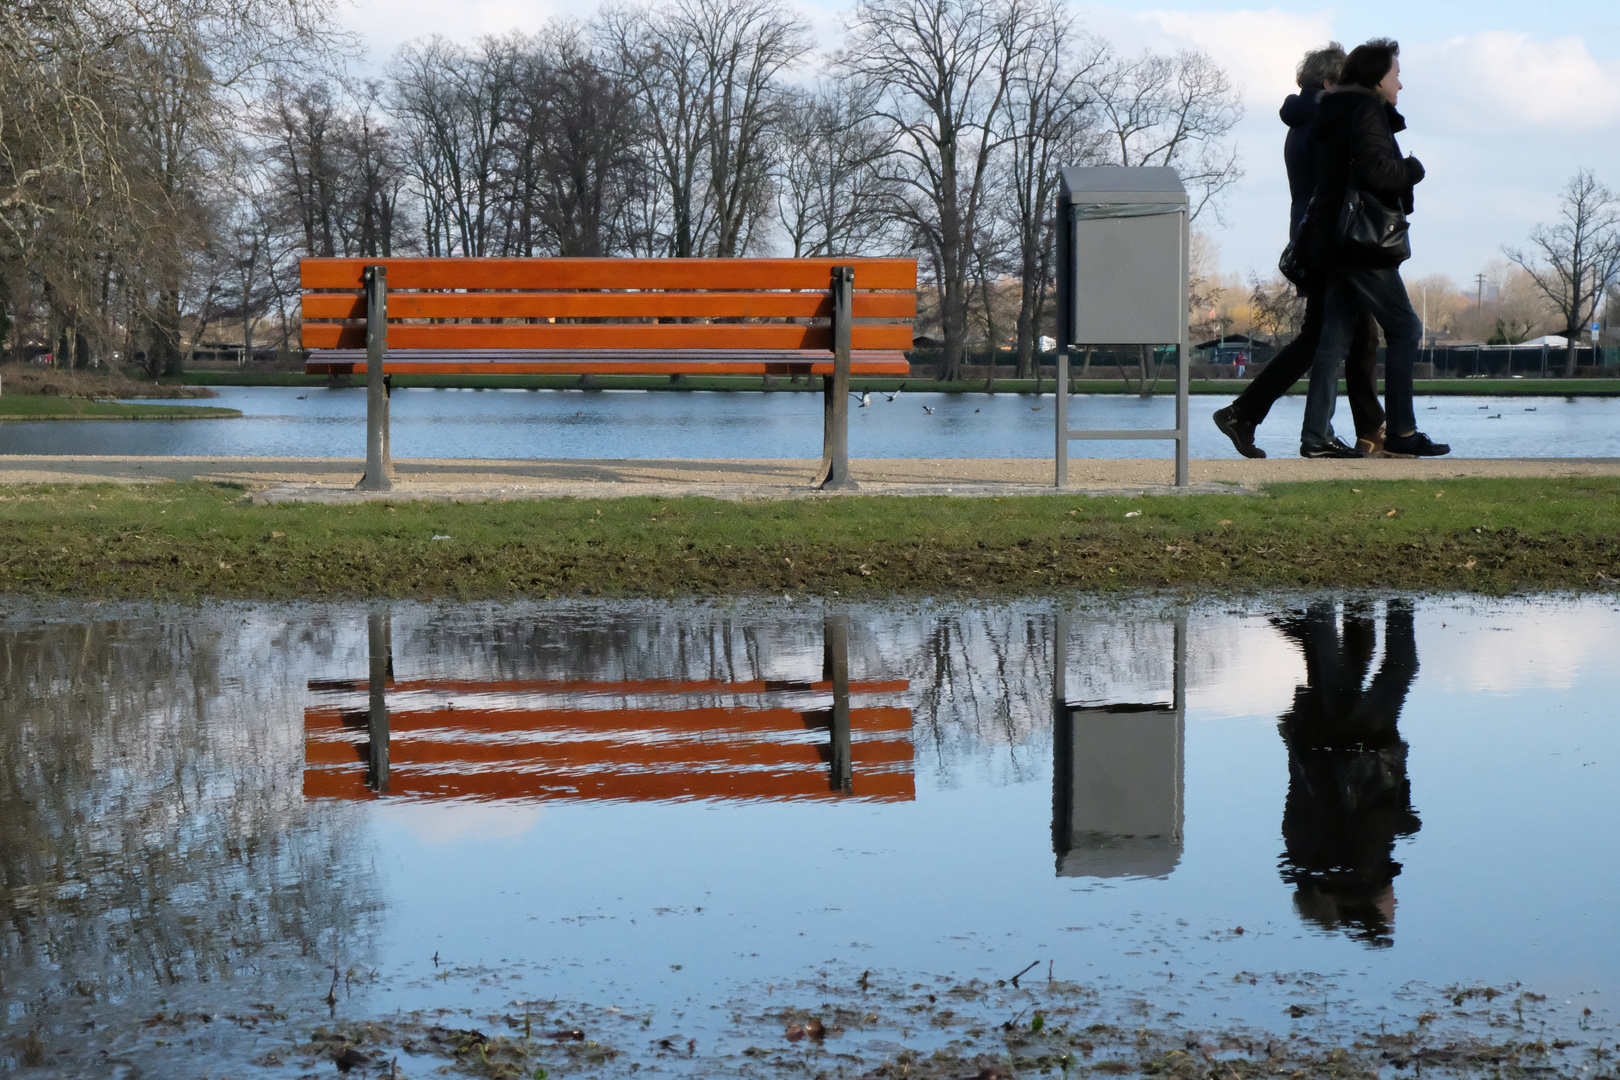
point(831, 194)
point(1175, 111)
point(453, 105)
point(707, 75)
point(944, 67)
point(190, 67)
point(577, 131)
point(1278, 309)
point(64, 194)
point(1577, 258)
point(1049, 120)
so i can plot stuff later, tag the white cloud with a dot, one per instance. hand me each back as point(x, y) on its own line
point(385, 25)
point(1258, 49)
point(1541, 647)
point(450, 821)
point(1495, 82)
point(1247, 668)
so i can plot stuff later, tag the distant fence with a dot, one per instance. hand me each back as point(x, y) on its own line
point(1438, 362)
point(1506, 361)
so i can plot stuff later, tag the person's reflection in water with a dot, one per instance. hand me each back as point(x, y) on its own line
point(1348, 795)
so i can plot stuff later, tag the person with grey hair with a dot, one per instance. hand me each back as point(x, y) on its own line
point(1238, 421)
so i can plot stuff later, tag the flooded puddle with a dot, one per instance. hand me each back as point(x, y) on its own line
point(760, 838)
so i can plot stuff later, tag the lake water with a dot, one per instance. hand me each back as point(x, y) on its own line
point(1311, 816)
point(296, 422)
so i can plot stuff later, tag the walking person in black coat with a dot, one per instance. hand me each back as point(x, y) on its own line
point(1349, 798)
point(1355, 144)
point(1238, 421)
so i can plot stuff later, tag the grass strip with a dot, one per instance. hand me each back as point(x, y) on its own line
point(197, 540)
point(43, 407)
point(1468, 387)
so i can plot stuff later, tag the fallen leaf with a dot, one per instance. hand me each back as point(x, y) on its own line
point(224, 566)
point(277, 535)
point(1392, 513)
point(1225, 521)
point(1356, 490)
point(1134, 513)
point(1470, 564)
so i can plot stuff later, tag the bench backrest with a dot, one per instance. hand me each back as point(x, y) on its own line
point(657, 304)
point(539, 739)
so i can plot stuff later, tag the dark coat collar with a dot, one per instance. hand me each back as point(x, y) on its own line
point(1397, 122)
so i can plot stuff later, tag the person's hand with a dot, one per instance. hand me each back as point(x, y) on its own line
point(1414, 169)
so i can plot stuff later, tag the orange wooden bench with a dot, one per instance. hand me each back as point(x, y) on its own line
point(827, 317)
point(582, 739)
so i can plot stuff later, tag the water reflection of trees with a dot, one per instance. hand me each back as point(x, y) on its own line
point(153, 834)
point(981, 678)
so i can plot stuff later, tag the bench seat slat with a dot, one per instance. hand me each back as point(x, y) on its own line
point(605, 336)
point(605, 362)
point(614, 305)
point(458, 273)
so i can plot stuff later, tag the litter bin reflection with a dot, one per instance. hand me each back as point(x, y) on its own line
point(1118, 777)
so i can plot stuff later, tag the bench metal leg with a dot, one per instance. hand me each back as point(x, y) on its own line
point(379, 461)
point(1062, 410)
point(835, 669)
point(381, 671)
point(1183, 352)
point(834, 475)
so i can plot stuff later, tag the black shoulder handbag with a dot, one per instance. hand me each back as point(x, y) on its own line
point(1294, 263)
point(1369, 231)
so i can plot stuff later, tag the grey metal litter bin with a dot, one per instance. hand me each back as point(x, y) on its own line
point(1122, 266)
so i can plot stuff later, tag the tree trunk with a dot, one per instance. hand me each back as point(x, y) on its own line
point(165, 357)
point(1028, 290)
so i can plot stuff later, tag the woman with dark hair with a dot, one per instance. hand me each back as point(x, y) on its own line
point(1238, 421)
point(1355, 143)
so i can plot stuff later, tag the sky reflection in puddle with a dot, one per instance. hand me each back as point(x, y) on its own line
point(658, 806)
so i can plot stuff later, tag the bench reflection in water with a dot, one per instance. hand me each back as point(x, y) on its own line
point(1117, 774)
point(649, 739)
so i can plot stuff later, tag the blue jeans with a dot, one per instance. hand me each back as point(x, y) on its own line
point(1297, 356)
point(1383, 294)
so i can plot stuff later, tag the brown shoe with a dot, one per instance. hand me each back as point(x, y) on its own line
point(1372, 444)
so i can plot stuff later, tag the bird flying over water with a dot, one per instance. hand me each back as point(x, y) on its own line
point(897, 393)
point(928, 409)
point(865, 398)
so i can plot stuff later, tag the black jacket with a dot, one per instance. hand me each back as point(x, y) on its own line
point(1355, 130)
point(1298, 111)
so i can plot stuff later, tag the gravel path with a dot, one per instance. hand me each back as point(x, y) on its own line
point(332, 479)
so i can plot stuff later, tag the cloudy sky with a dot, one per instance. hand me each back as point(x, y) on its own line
point(1504, 101)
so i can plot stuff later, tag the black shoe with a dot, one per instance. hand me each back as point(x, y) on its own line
point(1335, 449)
point(1416, 444)
point(1239, 430)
